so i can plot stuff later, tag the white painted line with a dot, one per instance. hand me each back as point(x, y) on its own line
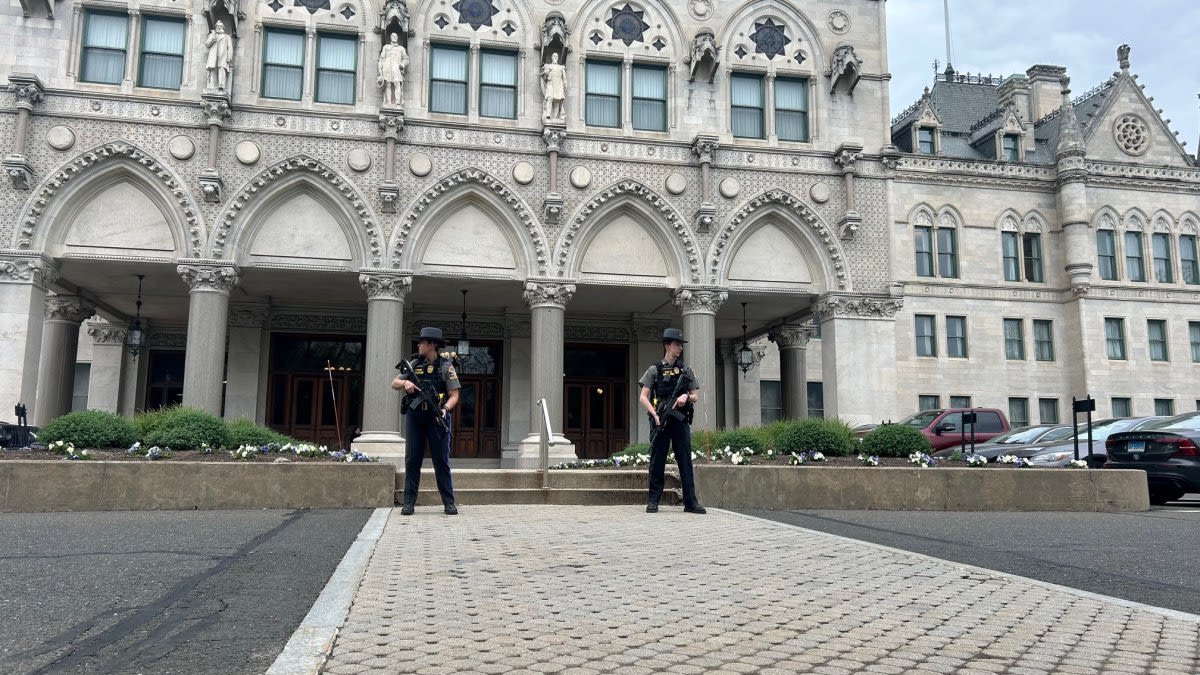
point(1169, 613)
point(311, 644)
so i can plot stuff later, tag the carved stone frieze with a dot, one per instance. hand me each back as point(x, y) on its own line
point(168, 340)
point(87, 161)
point(70, 308)
point(699, 300)
point(802, 211)
point(794, 335)
point(548, 293)
point(319, 323)
point(597, 333)
point(649, 332)
point(248, 316)
point(25, 267)
point(518, 326)
point(211, 278)
point(452, 329)
point(385, 286)
point(301, 163)
point(107, 333)
point(636, 190)
point(861, 306)
point(447, 184)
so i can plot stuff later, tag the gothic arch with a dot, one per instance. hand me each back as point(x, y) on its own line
point(73, 182)
point(672, 31)
point(922, 215)
point(1009, 220)
point(1034, 222)
point(949, 217)
point(1106, 218)
point(589, 218)
point(1162, 221)
point(1189, 223)
point(816, 234)
point(809, 37)
point(525, 233)
point(1135, 219)
point(426, 13)
point(278, 178)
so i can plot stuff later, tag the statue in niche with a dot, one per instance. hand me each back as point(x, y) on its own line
point(393, 61)
point(394, 20)
point(227, 11)
point(554, 89)
point(705, 56)
point(220, 57)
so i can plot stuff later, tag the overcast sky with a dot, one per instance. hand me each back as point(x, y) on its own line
point(1007, 37)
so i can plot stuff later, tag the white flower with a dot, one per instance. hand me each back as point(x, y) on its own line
point(1077, 464)
point(736, 458)
point(817, 457)
point(871, 460)
point(796, 459)
point(975, 460)
point(1007, 459)
point(85, 453)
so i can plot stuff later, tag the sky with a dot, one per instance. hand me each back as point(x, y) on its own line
point(1003, 38)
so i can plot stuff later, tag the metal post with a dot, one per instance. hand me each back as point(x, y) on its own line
point(1090, 407)
point(1075, 426)
point(544, 440)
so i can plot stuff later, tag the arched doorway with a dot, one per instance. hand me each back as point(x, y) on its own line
point(315, 387)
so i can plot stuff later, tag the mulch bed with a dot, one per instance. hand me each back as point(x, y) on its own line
point(176, 456)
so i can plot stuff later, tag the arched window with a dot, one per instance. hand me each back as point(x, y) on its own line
point(1021, 247)
point(936, 244)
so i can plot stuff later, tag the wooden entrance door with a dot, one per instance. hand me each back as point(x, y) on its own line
point(319, 408)
point(315, 387)
point(596, 399)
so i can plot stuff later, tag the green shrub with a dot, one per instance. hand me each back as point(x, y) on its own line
point(769, 434)
point(830, 437)
point(147, 422)
point(187, 429)
point(895, 440)
point(245, 432)
point(90, 429)
point(634, 449)
point(737, 439)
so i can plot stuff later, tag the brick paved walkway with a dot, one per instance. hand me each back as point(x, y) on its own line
point(537, 589)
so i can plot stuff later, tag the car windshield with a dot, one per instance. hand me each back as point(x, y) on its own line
point(1024, 435)
point(921, 419)
point(1057, 434)
point(1104, 428)
point(1185, 421)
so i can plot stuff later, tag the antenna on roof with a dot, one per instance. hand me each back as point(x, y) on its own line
point(949, 44)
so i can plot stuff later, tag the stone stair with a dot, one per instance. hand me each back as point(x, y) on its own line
point(479, 487)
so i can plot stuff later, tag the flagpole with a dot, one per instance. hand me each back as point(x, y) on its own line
point(337, 424)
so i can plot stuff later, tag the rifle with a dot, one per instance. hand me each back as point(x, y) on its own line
point(423, 395)
point(665, 409)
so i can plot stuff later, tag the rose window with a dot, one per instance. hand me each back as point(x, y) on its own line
point(1132, 134)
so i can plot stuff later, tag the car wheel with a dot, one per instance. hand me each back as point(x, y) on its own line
point(1096, 461)
point(1159, 498)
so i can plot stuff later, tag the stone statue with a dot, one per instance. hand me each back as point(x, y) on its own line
point(554, 89)
point(393, 60)
point(220, 57)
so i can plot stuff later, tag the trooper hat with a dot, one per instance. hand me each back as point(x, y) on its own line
point(673, 335)
point(434, 335)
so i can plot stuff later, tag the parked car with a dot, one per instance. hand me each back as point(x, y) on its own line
point(1062, 452)
point(1013, 440)
point(863, 429)
point(1167, 450)
point(944, 427)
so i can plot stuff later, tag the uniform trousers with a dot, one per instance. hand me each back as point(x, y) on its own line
point(679, 435)
point(420, 429)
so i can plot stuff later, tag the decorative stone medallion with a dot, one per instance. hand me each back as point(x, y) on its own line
point(769, 38)
point(839, 21)
point(247, 152)
point(1132, 134)
point(628, 24)
point(729, 188)
point(60, 137)
point(181, 148)
point(581, 177)
point(701, 10)
point(475, 13)
point(420, 164)
point(819, 192)
point(523, 173)
point(676, 183)
point(358, 160)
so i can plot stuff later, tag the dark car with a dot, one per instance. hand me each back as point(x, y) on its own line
point(13, 436)
point(1060, 452)
point(1168, 451)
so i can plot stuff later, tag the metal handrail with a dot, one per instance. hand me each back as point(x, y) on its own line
point(545, 440)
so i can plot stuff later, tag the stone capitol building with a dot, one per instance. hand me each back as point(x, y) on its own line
point(252, 206)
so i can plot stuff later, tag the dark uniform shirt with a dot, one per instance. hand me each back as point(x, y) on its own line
point(669, 370)
point(424, 370)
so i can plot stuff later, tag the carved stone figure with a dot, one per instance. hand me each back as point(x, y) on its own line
point(394, 21)
point(220, 57)
point(554, 36)
point(554, 89)
point(393, 61)
point(228, 12)
point(705, 55)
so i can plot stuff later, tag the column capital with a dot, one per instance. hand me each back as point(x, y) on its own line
point(27, 267)
point(792, 336)
point(216, 107)
point(391, 121)
point(699, 299)
point(846, 155)
point(704, 147)
point(70, 308)
point(385, 285)
point(554, 135)
point(27, 90)
point(209, 277)
point(105, 333)
point(547, 293)
point(857, 306)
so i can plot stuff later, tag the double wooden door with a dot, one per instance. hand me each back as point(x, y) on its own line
point(315, 387)
point(596, 399)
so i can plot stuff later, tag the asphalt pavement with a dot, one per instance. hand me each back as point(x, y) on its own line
point(162, 591)
point(1144, 557)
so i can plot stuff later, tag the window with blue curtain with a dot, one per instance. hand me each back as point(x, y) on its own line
point(649, 98)
point(923, 244)
point(1032, 253)
point(1010, 149)
point(1014, 339)
point(1160, 246)
point(926, 330)
point(1187, 259)
point(337, 68)
point(602, 104)
point(747, 105)
point(104, 42)
point(498, 84)
point(1135, 266)
point(925, 144)
point(956, 337)
point(448, 80)
point(161, 62)
point(947, 253)
point(283, 64)
point(791, 109)
point(1194, 339)
point(1106, 254)
point(1156, 333)
point(1018, 411)
point(1010, 250)
point(1122, 406)
point(1114, 338)
point(1043, 339)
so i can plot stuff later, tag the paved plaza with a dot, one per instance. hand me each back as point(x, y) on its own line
point(537, 589)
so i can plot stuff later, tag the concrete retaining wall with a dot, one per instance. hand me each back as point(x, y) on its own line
point(915, 489)
point(136, 486)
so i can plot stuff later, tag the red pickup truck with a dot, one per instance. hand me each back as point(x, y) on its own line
point(944, 427)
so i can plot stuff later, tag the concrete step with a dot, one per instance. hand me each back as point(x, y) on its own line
point(480, 479)
point(574, 497)
point(600, 479)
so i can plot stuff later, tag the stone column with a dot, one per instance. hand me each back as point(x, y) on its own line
point(552, 208)
point(729, 373)
point(108, 365)
point(391, 123)
point(699, 305)
point(792, 340)
point(386, 292)
point(208, 316)
point(218, 111)
point(244, 362)
point(846, 156)
point(858, 355)
point(24, 279)
point(704, 147)
point(749, 396)
point(547, 300)
point(27, 92)
point(60, 342)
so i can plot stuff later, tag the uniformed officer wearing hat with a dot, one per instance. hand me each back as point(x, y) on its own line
point(658, 385)
point(435, 374)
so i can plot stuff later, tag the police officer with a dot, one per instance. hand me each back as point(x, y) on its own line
point(436, 374)
point(658, 384)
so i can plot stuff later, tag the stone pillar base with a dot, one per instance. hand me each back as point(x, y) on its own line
point(386, 446)
point(529, 453)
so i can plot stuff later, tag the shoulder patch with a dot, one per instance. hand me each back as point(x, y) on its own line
point(450, 373)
